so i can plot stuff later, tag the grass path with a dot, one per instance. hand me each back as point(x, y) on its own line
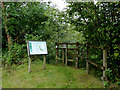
point(55, 76)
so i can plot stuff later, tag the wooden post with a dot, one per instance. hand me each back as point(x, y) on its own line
point(87, 63)
point(56, 53)
point(29, 67)
point(29, 70)
point(44, 61)
point(77, 44)
point(66, 50)
point(104, 64)
point(63, 55)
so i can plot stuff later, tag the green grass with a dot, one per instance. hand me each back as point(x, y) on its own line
point(55, 76)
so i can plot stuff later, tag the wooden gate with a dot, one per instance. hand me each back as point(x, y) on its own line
point(65, 54)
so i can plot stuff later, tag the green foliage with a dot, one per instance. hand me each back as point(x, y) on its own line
point(92, 20)
point(24, 18)
point(106, 84)
point(15, 55)
point(100, 25)
point(35, 21)
point(110, 74)
point(118, 83)
point(32, 37)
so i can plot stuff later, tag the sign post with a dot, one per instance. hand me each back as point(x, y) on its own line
point(37, 48)
point(44, 62)
point(29, 64)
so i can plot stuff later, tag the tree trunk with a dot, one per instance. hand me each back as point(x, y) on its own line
point(6, 28)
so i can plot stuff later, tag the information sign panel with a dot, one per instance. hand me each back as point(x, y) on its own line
point(37, 47)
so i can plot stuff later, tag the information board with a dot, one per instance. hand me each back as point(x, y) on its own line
point(37, 47)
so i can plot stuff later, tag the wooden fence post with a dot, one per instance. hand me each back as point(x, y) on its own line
point(77, 45)
point(63, 53)
point(56, 52)
point(104, 64)
point(87, 63)
point(66, 51)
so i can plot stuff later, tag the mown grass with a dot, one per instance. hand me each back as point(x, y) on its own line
point(55, 76)
point(0, 76)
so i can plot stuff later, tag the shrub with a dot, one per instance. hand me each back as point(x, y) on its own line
point(15, 55)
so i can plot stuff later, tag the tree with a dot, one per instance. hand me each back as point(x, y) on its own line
point(23, 18)
point(100, 24)
point(6, 28)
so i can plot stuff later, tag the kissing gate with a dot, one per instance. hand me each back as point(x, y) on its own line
point(66, 54)
point(65, 49)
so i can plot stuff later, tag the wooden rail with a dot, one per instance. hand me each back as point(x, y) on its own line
point(71, 60)
point(93, 46)
point(73, 54)
point(104, 67)
point(58, 58)
point(95, 64)
point(72, 49)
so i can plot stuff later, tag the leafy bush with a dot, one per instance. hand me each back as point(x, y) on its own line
point(15, 55)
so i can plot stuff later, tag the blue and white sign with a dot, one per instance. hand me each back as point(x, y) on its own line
point(37, 47)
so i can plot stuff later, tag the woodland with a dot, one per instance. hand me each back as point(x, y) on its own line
point(96, 24)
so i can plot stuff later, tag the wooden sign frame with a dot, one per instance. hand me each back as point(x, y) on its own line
point(44, 57)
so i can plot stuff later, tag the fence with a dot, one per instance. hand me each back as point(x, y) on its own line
point(65, 54)
point(65, 49)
